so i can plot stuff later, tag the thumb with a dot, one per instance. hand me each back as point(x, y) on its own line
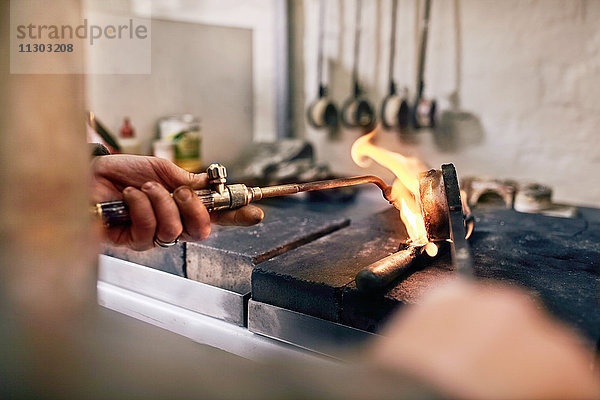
point(175, 176)
point(245, 216)
point(195, 181)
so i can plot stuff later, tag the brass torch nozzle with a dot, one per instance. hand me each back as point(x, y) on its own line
point(281, 190)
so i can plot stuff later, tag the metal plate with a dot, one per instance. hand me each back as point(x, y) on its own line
point(195, 296)
point(311, 333)
point(198, 327)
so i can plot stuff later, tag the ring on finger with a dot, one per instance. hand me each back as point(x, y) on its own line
point(160, 243)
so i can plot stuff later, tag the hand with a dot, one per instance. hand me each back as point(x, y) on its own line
point(488, 342)
point(145, 183)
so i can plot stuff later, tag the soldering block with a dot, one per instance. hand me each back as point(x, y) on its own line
point(557, 259)
point(226, 259)
point(311, 279)
point(170, 259)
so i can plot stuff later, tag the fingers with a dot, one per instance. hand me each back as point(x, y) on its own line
point(245, 216)
point(168, 222)
point(196, 220)
point(156, 214)
point(143, 222)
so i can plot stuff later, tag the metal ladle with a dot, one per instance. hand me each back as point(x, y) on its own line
point(322, 113)
point(395, 111)
point(357, 112)
point(424, 109)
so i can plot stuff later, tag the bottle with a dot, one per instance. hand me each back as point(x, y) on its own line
point(183, 131)
point(127, 141)
point(164, 148)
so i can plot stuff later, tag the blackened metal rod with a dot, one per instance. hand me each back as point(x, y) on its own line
point(383, 272)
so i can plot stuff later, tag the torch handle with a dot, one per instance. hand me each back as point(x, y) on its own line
point(382, 272)
point(116, 213)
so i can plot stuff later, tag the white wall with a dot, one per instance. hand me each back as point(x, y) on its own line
point(212, 58)
point(528, 70)
point(198, 69)
point(260, 17)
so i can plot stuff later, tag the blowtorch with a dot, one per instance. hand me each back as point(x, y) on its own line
point(221, 196)
point(446, 215)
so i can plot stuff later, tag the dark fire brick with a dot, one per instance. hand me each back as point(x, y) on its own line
point(227, 257)
point(556, 258)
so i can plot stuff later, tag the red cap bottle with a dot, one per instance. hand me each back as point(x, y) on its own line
point(127, 130)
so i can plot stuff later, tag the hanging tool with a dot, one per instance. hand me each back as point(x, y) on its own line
point(395, 111)
point(456, 127)
point(322, 113)
point(221, 196)
point(423, 109)
point(357, 112)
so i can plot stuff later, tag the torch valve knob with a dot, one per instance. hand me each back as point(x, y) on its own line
point(217, 174)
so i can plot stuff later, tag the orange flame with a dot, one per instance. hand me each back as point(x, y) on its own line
point(405, 190)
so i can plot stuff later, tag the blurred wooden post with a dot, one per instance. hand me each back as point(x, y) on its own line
point(47, 250)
